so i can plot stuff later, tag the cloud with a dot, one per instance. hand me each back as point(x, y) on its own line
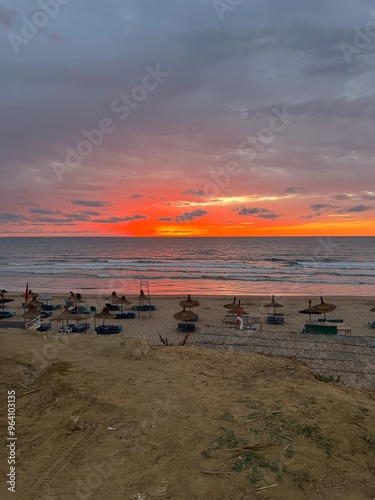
point(116, 220)
point(321, 206)
point(357, 208)
point(342, 197)
point(250, 210)
point(43, 211)
point(165, 219)
point(368, 196)
point(259, 213)
point(135, 195)
point(86, 203)
point(10, 217)
point(188, 216)
point(199, 193)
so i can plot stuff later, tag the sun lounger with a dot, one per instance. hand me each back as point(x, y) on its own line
point(45, 314)
point(322, 320)
point(108, 329)
point(320, 329)
point(372, 324)
point(78, 328)
point(275, 320)
point(125, 315)
point(49, 307)
point(44, 327)
point(7, 314)
point(112, 307)
point(186, 327)
point(144, 308)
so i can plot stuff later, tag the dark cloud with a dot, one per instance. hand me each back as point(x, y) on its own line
point(188, 216)
point(260, 213)
point(135, 195)
point(251, 210)
point(321, 206)
point(165, 219)
point(357, 208)
point(116, 220)
point(43, 211)
point(86, 203)
point(341, 197)
point(199, 193)
point(9, 218)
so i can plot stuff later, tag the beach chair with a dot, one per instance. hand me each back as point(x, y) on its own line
point(81, 328)
point(7, 314)
point(186, 327)
point(108, 329)
point(44, 327)
point(275, 320)
point(112, 307)
point(372, 324)
point(125, 315)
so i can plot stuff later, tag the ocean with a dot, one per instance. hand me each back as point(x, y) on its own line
point(201, 266)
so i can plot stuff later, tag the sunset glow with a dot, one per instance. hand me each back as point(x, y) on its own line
point(179, 121)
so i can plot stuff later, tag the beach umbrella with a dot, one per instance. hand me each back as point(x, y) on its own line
point(123, 301)
point(32, 294)
point(273, 304)
point(32, 313)
point(46, 297)
point(184, 315)
point(105, 314)
point(310, 310)
point(4, 300)
point(231, 306)
point(372, 309)
point(324, 308)
point(189, 302)
point(112, 297)
point(34, 303)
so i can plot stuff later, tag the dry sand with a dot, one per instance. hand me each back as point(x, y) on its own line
point(109, 417)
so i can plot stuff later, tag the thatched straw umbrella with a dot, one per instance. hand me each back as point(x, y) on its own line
point(4, 301)
point(112, 297)
point(34, 303)
point(189, 303)
point(32, 313)
point(123, 301)
point(324, 308)
point(184, 315)
point(310, 310)
point(233, 305)
point(32, 294)
point(274, 304)
point(372, 309)
point(105, 314)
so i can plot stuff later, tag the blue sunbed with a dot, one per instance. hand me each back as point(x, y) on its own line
point(108, 329)
point(125, 315)
point(44, 327)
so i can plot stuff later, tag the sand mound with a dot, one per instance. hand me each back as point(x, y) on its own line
point(135, 348)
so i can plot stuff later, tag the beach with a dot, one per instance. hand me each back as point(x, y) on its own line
point(353, 310)
point(128, 417)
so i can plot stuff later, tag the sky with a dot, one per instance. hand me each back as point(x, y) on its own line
point(175, 118)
